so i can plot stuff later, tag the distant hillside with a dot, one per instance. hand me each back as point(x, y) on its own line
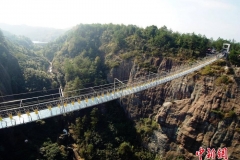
point(21, 68)
point(19, 40)
point(34, 33)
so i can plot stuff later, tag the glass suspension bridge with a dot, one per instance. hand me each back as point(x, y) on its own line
point(22, 111)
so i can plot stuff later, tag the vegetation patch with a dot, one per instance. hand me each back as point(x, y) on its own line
point(223, 115)
point(230, 114)
point(234, 56)
point(230, 71)
point(220, 62)
point(128, 55)
point(219, 113)
point(113, 64)
point(207, 71)
point(51, 151)
point(223, 79)
point(146, 126)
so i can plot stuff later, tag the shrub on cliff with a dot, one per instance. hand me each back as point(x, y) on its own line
point(230, 114)
point(220, 62)
point(146, 126)
point(220, 114)
point(207, 71)
point(223, 80)
point(230, 71)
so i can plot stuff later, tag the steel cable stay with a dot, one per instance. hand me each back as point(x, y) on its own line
point(41, 107)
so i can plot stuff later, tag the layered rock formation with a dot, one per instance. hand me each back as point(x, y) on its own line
point(191, 111)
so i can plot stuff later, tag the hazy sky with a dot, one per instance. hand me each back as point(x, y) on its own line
point(213, 18)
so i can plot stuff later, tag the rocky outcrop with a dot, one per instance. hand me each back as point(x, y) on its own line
point(121, 72)
point(191, 111)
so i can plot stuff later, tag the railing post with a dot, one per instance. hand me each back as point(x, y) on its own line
point(61, 98)
point(61, 92)
point(21, 103)
point(114, 85)
point(118, 81)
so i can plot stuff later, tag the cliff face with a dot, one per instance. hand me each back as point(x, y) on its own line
point(121, 72)
point(191, 111)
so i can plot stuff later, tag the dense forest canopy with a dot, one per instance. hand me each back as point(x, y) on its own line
point(84, 53)
point(23, 70)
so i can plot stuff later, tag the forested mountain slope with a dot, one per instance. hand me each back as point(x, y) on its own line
point(21, 69)
point(90, 53)
point(11, 78)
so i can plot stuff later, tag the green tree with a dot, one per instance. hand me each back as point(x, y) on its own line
point(234, 57)
point(51, 151)
point(125, 150)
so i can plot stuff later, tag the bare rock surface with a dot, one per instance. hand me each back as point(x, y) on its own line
point(192, 112)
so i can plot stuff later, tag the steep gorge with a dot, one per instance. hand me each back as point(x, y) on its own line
point(192, 112)
point(21, 68)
